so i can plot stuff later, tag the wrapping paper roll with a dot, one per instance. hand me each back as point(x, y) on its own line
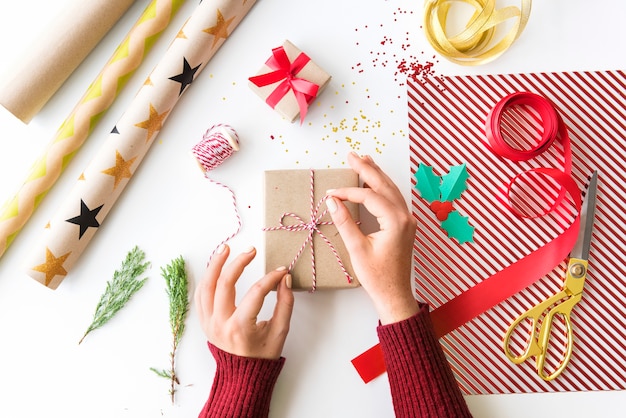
point(78, 125)
point(102, 182)
point(62, 46)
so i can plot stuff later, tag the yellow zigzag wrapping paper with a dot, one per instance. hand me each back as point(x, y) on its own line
point(59, 50)
point(101, 183)
point(83, 118)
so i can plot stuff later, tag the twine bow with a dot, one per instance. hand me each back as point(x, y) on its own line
point(312, 226)
point(285, 71)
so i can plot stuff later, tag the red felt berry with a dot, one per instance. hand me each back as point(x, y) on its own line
point(441, 209)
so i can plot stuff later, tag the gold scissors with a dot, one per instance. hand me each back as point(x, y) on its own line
point(541, 316)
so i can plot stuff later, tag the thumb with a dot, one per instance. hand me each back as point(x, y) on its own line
point(349, 231)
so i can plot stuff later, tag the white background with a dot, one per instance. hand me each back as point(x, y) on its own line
point(170, 209)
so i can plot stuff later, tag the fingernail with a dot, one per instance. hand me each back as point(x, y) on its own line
point(220, 249)
point(281, 268)
point(355, 154)
point(331, 205)
point(288, 281)
point(329, 191)
point(249, 249)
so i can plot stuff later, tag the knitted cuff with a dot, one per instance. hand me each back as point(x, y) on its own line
point(421, 380)
point(242, 386)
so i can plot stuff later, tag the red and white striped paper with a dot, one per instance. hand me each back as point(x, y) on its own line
point(446, 121)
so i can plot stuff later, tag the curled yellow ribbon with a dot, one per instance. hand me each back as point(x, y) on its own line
point(475, 44)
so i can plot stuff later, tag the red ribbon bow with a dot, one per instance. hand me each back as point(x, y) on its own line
point(304, 90)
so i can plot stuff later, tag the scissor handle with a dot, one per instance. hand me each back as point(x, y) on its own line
point(564, 310)
point(532, 347)
point(539, 340)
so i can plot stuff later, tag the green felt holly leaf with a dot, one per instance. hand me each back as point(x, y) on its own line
point(427, 183)
point(454, 183)
point(458, 227)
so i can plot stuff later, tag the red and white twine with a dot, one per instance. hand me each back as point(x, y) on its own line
point(312, 226)
point(217, 145)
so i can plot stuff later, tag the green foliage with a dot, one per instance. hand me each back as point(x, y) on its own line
point(178, 292)
point(447, 188)
point(441, 188)
point(427, 183)
point(454, 183)
point(162, 373)
point(177, 288)
point(119, 289)
point(458, 227)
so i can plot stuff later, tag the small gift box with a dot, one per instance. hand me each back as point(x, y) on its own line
point(289, 81)
point(299, 233)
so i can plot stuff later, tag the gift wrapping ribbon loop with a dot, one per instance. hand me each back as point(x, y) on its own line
point(312, 226)
point(473, 45)
point(286, 72)
point(552, 128)
point(525, 271)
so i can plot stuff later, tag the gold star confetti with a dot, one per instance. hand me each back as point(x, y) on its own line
point(220, 30)
point(121, 170)
point(53, 266)
point(154, 123)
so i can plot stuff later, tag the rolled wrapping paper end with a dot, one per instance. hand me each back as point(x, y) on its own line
point(217, 145)
point(62, 47)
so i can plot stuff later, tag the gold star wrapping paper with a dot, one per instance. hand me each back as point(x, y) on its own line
point(101, 183)
point(83, 119)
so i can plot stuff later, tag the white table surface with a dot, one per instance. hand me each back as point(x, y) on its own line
point(170, 209)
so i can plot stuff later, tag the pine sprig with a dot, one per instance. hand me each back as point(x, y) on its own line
point(178, 292)
point(119, 289)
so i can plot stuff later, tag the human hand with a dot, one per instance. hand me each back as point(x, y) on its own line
point(236, 329)
point(382, 259)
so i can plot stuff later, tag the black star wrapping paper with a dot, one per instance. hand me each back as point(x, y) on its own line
point(109, 172)
point(86, 219)
point(186, 77)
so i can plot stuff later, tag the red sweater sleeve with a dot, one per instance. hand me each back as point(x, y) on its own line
point(421, 380)
point(242, 387)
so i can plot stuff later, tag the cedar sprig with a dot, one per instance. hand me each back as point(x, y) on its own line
point(177, 288)
point(119, 289)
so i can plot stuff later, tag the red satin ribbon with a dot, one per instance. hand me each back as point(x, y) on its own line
point(519, 275)
point(286, 71)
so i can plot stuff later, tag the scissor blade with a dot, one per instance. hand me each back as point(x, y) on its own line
point(587, 211)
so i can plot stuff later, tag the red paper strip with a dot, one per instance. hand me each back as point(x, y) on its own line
point(370, 364)
point(519, 275)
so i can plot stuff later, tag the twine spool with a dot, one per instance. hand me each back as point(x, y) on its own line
point(218, 144)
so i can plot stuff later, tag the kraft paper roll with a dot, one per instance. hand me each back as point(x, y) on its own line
point(78, 125)
point(62, 46)
point(106, 176)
